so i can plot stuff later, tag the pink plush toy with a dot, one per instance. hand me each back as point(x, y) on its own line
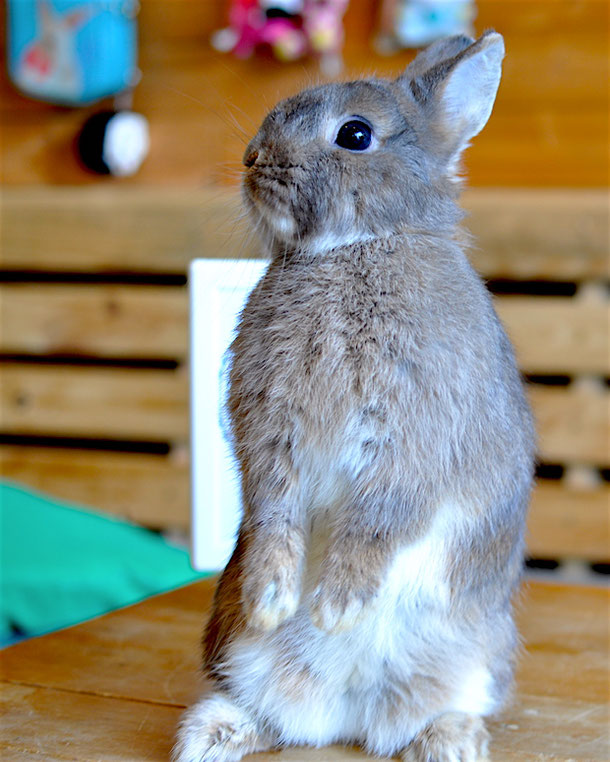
point(291, 29)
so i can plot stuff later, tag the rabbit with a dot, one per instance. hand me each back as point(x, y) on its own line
point(383, 436)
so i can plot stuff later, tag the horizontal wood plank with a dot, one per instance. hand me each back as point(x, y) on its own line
point(523, 234)
point(565, 523)
point(139, 229)
point(129, 322)
point(555, 335)
point(135, 669)
point(95, 402)
point(153, 404)
point(573, 424)
point(154, 491)
point(551, 335)
point(539, 234)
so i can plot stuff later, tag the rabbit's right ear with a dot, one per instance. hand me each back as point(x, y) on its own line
point(441, 50)
point(455, 82)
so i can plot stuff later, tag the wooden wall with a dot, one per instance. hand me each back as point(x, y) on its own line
point(549, 127)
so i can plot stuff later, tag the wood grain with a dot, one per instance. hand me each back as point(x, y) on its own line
point(555, 335)
point(95, 402)
point(45, 724)
point(135, 669)
point(521, 234)
point(572, 424)
point(128, 322)
point(566, 523)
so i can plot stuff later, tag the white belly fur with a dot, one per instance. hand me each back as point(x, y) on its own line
point(345, 672)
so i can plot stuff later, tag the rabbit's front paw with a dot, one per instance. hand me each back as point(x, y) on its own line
point(270, 600)
point(336, 607)
point(271, 589)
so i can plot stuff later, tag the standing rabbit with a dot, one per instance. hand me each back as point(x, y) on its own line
point(383, 437)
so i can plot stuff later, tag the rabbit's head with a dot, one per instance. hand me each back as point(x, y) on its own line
point(345, 162)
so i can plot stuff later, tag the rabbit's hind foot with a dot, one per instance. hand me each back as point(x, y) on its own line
point(215, 729)
point(452, 737)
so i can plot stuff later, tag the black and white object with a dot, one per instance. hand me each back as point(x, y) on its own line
point(114, 142)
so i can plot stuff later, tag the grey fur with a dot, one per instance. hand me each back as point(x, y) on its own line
point(377, 410)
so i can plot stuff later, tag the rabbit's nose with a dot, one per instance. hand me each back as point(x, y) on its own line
point(250, 158)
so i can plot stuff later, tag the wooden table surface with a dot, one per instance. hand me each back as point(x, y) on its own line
point(114, 688)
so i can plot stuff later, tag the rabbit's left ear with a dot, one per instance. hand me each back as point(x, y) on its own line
point(456, 91)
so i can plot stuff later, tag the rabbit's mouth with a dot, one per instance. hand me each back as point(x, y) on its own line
point(269, 199)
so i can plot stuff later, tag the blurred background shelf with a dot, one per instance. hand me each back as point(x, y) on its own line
point(550, 124)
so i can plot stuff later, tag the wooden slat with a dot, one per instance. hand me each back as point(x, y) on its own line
point(101, 228)
point(558, 335)
point(518, 233)
point(152, 490)
point(95, 402)
point(134, 670)
point(531, 234)
point(104, 402)
point(551, 335)
point(568, 523)
point(111, 321)
point(573, 424)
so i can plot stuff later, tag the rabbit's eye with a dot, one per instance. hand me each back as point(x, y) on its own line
point(354, 135)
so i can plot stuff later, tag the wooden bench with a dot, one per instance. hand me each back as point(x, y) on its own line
point(94, 344)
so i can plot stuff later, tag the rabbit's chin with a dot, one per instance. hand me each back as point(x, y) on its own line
point(273, 225)
point(279, 229)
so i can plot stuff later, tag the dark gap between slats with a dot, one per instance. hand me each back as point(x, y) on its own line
point(551, 471)
point(110, 277)
point(554, 565)
point(601, 568)
point(541, 563)
point(495, 285)
point(75, 360)
point(548, 379)
point(504, 286)
point(144, 447)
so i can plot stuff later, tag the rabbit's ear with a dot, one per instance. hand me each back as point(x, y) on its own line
point(441, 50)
point(457, 93)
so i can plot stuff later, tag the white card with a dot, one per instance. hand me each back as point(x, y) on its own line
point(218, 290)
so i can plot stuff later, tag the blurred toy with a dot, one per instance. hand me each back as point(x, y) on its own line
point(414, 23)
point(73, 53)
point(114, 142)
point(290, 29)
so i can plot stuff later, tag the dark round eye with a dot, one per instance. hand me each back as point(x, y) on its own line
point(354, 135)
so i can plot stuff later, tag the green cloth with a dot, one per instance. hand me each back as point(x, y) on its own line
point(60, 565)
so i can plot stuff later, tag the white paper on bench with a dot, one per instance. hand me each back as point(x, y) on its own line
point(218, 290)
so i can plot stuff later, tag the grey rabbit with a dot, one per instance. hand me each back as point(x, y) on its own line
point(384, 440)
